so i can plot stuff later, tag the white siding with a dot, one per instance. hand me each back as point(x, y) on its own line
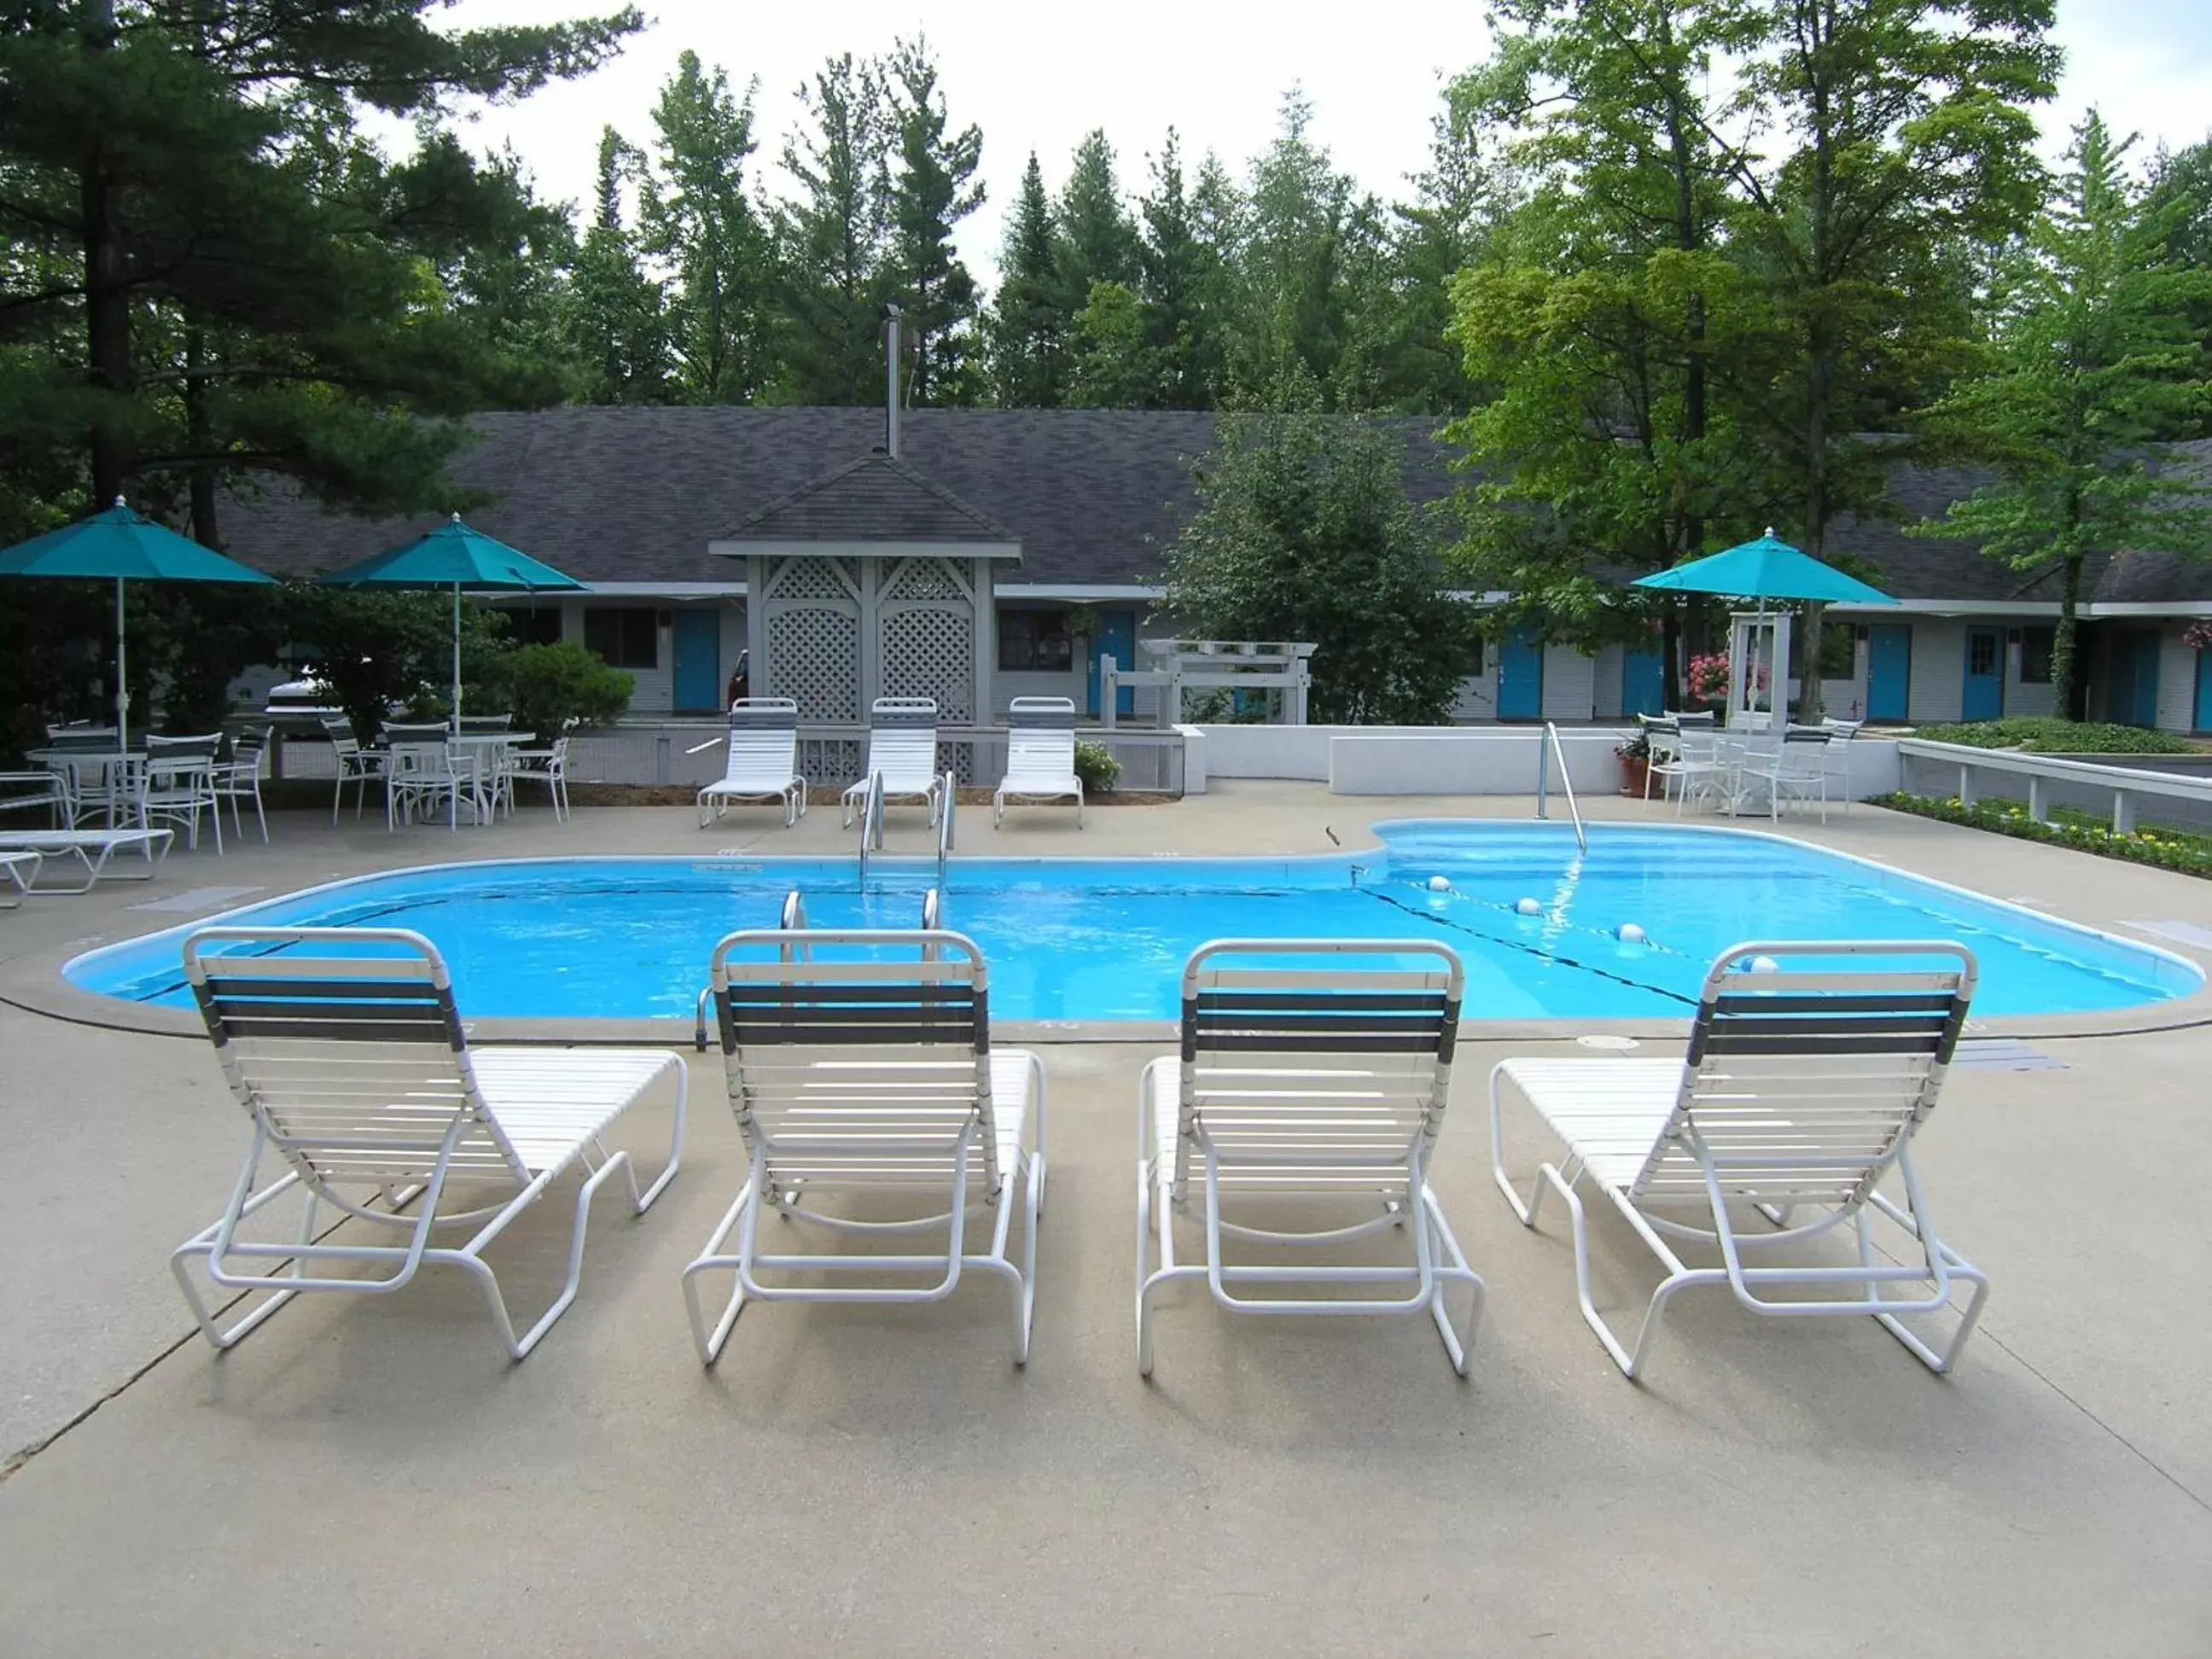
point(1938, 686)
point(1604, 683)
point(2176, 683)
point(1570, 683)
point(2019, 696)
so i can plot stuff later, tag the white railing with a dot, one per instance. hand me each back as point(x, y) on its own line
point(1548, 746)
point(951, 785)
point(2125, 784)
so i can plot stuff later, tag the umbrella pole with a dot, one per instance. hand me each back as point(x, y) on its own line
point(457, 657)
point(122, 679)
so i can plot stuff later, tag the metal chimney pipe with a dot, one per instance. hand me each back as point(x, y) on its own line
point(891, 315)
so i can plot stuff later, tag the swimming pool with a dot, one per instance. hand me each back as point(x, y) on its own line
point(1105, 939)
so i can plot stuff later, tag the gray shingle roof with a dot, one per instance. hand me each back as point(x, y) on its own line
point(875, 499)
point(618, 494)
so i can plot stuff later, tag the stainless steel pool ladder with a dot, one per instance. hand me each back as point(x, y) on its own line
point(872, 821)
point(792, 920)
point(945, 832)
point(1547, 747)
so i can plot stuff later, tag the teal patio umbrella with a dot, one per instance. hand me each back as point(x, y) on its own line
point(119, 546)
point(1766, 569)
point(468, 562)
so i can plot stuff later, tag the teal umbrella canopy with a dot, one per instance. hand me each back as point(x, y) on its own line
point(454, 556)
point(1766, 569)
point(121, 546)
point(468, 562)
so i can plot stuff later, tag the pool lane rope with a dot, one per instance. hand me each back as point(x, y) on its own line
point(1533, 951)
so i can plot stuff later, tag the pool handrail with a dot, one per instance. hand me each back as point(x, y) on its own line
point(952, 786)
point(932, 912)
point(872, 821)
point(1547, 745)
point(792, 920)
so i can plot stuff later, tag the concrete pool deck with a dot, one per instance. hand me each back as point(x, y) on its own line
point(370, 1474)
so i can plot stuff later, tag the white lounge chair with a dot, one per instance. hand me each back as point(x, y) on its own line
point(1040, 756)
point(1803, 1085)
point(1322, 1082)
point(764, 760)
point(872, 1076)
point(344, 1047)
point(91, 850)
point(21, 871)
point(902, 751)
point(43, 791)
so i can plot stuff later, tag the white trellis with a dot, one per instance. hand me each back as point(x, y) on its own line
point(1179, 665)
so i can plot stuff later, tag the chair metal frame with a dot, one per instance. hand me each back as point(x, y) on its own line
point(870, 1075)
point(1802, 1086)
point(1307, 1082)
point(239, 778)
point(1040, 756)
point(356, 1071)
point(902, 751)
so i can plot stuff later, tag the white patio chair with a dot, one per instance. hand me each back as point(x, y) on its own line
point(764, 760)
point(1693, 767)
point(420, 777)
point(239, 778)
point(21, 871)
point(1842, 734)
point(1322, 1082)
point(903, 749)
point(1040, 756)
point(1797, 765)
point(1804, 1085)
point(178, 784)
point(872, 1077)
point(355, 765)
point(344, 1047)
point(547, 766)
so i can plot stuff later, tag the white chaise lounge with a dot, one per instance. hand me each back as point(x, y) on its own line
point(1806, 1078)
point(343, 1046)
point(1313, 1072)
point(902, 751)
point(856, 1074)
point(91, 851)
point(1040, 756)
point(20, 871)
point(764, 760)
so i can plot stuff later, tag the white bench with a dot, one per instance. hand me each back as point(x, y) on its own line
point(92, 849)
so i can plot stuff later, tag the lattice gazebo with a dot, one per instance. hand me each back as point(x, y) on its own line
point(871, 581)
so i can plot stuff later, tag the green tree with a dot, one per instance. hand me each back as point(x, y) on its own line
point(2181, 193)
point(1180, 254)
point(932, 189)
point(1096, 238)
point(1886, 137)
point(2094, 362)
point(833, 239)
point(1114, 366)
point(1303, 532)
point(1027, 326)
point(702, 223)
point(193, 172)
point(617, 314)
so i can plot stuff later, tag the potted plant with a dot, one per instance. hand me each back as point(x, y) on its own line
point(1635, 762)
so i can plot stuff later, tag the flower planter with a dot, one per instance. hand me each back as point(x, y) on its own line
point(1635, 771)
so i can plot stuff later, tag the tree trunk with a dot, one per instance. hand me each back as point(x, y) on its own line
point(199, 441)
point(2062, 639)
point(1811, 705)
point(1670, 658)
point(106, 285)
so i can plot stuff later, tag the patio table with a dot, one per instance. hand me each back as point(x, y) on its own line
point(120, 772)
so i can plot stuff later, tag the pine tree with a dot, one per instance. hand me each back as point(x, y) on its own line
point(2094, 365)
point(1028, 327)
point(932, 192)
point(617, 313)
point(1182, 258)
point(832, 242)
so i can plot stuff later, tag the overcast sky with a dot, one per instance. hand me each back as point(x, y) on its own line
point(1216, 72)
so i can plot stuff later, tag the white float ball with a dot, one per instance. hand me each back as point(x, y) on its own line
point(1765, 965)
point(1529, 906)
point(1632, 934)
point(1440, 883)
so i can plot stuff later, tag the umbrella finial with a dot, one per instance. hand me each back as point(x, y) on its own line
point(1770, 532)
point(118, 500)
point(457, 519)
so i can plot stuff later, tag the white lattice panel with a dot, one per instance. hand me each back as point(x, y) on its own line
point(926, 579)
point(814, 659)
point(807, 578)
point(929, 651)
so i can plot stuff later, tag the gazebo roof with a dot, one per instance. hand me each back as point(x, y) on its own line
point(876, 505)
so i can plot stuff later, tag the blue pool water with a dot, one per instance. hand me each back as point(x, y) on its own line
point(1091, 940)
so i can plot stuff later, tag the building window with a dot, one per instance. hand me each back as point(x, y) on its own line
point(2035, 655)
point(1839, 650)
point(1982, 652)
point(538, 625)
point(623, 636)
point(1034, 642)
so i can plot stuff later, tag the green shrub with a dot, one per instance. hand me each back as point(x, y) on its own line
point(549, 686)
point(2045, 735)
point(1095, 765)
point(2188, 854)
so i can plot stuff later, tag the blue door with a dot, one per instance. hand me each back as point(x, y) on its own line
point(1519, 677)
point(2203, 721)
point(1117, 638)
point(1643, 682)
point(2131, 678)
point(1889, 671)
point(698, 686)
point(1984, 699)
